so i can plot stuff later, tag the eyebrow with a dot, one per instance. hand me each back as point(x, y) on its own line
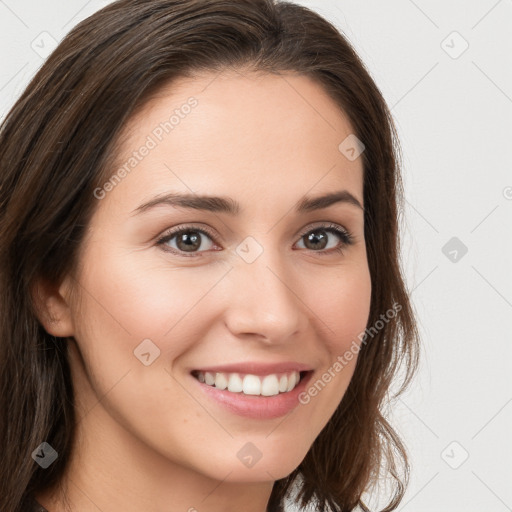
point(230, 206)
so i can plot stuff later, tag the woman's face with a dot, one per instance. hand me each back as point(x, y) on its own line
point(263, 286)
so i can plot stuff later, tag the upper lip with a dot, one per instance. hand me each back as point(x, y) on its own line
point(256, 368)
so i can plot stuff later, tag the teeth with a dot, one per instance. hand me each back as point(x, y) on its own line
point(251, 385)
point(220, 381)
point(292, 381)
point(235, 384)
point(269, 385)
point(283, 384)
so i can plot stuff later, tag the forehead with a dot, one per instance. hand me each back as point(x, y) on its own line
point(251, 135)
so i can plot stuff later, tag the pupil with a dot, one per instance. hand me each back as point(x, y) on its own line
point(190, 242)
point(315, 239)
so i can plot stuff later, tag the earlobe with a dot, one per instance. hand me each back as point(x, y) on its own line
point(53, 308)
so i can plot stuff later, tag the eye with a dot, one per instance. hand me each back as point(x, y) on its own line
point(189, 239)
point(317, 238)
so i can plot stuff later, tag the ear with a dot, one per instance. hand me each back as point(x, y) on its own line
point(52, 304)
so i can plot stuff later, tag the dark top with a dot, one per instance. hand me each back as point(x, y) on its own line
point(31, 505)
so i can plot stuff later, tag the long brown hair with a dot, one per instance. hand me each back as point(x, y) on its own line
point(57, 145)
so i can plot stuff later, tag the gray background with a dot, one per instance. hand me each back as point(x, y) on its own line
point(453, 109)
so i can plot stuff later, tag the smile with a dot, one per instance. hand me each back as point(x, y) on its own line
point(248, 384)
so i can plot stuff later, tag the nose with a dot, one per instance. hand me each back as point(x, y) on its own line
point(262, 300)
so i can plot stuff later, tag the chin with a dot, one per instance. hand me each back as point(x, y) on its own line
point(264, 469)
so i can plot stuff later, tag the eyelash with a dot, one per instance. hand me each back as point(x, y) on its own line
point(346, 237)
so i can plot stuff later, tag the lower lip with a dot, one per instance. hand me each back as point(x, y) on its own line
point(256, 406)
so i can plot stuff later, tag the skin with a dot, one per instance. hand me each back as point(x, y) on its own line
point(149, 439)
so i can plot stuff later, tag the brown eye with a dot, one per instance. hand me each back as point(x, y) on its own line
point(187, 240)
point(317, 239)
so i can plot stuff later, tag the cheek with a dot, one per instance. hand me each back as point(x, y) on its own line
point(129, 298)
point(125, 301)
point(343, 308)
point(343, 305)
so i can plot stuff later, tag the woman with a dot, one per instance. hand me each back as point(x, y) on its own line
point(203, 305)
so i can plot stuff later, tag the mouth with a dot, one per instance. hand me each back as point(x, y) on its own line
point(256, 397)
point(250, 384)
